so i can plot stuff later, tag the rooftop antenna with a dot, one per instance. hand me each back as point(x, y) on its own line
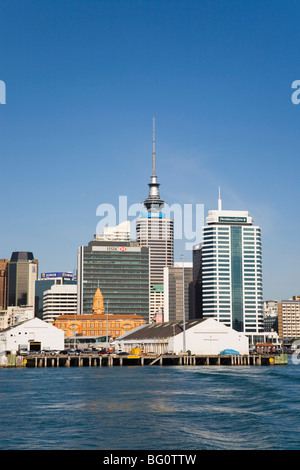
point(153, 203)
point(153, 150)
point(219, 200)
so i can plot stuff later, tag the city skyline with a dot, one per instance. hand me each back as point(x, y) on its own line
point(83, 84)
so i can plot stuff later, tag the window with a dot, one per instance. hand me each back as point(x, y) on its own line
point(236, 278)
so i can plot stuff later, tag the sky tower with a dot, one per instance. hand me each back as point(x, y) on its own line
point(156, 231)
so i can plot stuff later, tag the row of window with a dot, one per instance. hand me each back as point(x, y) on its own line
point(207, 230)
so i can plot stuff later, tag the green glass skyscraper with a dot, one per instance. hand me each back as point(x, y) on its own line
point(232, 270)
point(121, 270)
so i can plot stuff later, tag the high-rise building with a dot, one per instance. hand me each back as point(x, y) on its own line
point(19, 314)
point(121, 270)
point(60, 299)
point(3, 283)
point(270, 311)
point(289, 320)
point(197, 281)
point(47, 280)
point(22, 274)
point(155, 231)
point(175, 297)
point(120, 233)
point(232, 270)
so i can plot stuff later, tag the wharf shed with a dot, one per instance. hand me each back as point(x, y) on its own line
point(202, 336)
point(29, 335)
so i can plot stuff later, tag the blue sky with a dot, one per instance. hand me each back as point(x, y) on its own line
point(84, 80)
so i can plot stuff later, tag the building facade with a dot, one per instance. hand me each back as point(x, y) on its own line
point(60, 299)
point(270, 311)
point(3, 283)
point(289, 320)
point(22, 273)
point(47, 280)
point(34, 334)
point(232, 270)
point(120, 233)
point(156, 231)
point(197, 281)
point(98, 303)
point(13, 315)
point(121, 270)
point(97, 327)
point(201, 336)
point(174, 294)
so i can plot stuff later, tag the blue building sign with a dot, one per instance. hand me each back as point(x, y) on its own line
point(54, 275)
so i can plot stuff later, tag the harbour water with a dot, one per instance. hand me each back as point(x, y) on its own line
point(144, 408)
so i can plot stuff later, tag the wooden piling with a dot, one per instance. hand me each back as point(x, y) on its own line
point(186, 360)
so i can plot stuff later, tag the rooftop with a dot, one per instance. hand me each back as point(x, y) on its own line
point(160, 330)
point(98, 317)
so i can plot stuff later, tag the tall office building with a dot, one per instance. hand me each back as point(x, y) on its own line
point(121, 270)
point(175, 297)
point(3, 283)
point(289, 320)
point(155, 231)
point(270, 313)
point(47, 280)
point(120, 233)
point(60, 299)
point(232, 270)
point(197, 281)
point(22, 274)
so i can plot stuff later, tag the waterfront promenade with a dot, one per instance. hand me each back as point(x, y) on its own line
point(110, 360)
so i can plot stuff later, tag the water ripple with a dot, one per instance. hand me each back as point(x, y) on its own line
point(205, 407)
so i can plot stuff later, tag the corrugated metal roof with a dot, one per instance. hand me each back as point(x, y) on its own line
point(159, 330)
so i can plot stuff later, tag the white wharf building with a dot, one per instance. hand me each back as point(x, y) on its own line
point(202, 336)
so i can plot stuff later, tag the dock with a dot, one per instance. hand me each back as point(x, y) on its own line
point(97, 360)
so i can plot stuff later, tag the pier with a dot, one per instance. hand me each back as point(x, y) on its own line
point(97, 360)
